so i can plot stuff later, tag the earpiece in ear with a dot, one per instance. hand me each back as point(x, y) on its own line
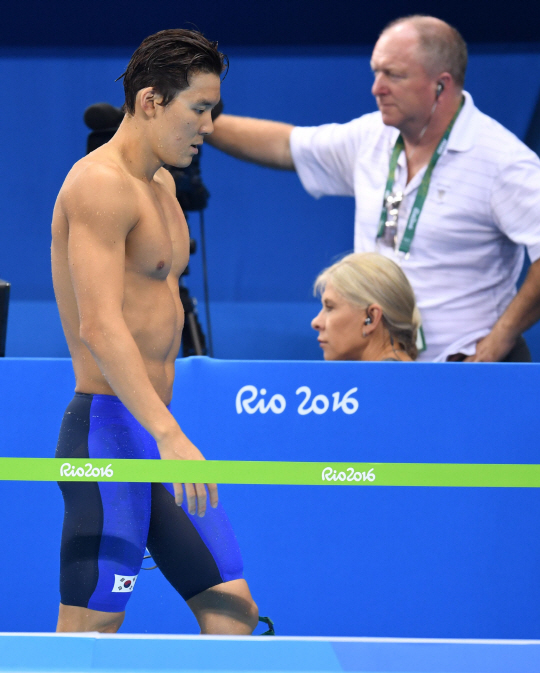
point(440, 89)
point(368, 321)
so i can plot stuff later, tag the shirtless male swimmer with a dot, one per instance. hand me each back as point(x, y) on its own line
point(119, 244)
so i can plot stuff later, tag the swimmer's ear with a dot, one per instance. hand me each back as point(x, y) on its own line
point(148, 99)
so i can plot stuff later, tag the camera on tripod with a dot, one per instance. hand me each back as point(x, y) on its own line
point(103, 120)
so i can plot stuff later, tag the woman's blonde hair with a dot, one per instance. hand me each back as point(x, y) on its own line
point(368, 278)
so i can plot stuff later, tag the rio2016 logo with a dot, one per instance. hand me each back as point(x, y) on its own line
point(69, 470)
point(329, 474)
point(246, 400)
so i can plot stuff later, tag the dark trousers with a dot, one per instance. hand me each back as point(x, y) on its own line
point(519, 353)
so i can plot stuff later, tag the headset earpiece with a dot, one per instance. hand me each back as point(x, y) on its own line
point(440, 89)
point(367, 321)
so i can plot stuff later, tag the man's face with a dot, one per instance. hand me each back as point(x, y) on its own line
point(404, 91)
point(183, 123)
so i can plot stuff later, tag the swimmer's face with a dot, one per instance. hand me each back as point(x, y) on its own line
point(340, 325)
point(182, 124)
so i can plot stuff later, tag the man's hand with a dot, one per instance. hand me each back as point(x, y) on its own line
point(522, 312)
point(492, 348)
point(178, 447)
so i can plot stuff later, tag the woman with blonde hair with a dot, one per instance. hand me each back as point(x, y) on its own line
point(368, 310)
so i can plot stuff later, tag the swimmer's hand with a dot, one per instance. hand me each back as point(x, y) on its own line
point(178, 447)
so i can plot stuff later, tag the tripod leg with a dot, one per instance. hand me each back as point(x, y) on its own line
point(192, 326)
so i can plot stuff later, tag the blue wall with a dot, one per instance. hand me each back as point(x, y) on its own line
point(381, 561)
point(241, 22)
point(267, 239)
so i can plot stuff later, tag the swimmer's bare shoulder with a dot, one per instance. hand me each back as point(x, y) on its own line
point(97, 187)
point(95, 210)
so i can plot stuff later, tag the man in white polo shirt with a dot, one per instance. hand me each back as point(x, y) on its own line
point(441, 188)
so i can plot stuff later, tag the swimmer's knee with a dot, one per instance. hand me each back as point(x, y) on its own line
point(253, 616)
point(73, 619)
point(246, 606)
point(113, 623)
point(226, 608)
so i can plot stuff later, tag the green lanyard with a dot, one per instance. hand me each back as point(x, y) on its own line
point(421, 195)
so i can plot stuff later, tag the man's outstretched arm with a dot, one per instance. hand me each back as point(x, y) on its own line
point(259, 141)
point(100, 209)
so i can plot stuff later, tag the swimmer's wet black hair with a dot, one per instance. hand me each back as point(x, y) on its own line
point(166, 60)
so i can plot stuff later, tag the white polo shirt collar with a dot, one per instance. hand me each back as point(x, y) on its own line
point(465, 129)
point(461, 139)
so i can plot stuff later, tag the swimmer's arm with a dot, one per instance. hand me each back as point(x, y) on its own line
point(260, 141)
point(101, 211)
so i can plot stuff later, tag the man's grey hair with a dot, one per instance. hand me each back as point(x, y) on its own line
point(443, 48)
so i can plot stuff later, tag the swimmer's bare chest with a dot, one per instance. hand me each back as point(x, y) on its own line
point(156, 252)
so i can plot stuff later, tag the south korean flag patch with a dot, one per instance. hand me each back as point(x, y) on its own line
point(123, 583)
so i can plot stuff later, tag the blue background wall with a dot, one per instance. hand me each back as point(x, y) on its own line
point(267, 239)
point(241, 22)
point(381, 561)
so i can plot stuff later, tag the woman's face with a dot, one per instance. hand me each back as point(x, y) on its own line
point(340, 326)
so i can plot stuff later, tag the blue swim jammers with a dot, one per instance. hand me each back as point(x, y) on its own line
point(108, 526)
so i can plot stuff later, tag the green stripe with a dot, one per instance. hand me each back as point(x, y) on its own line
point(267, 472)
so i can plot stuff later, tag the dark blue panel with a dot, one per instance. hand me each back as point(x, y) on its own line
point(43, 142)
point(270, 23)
